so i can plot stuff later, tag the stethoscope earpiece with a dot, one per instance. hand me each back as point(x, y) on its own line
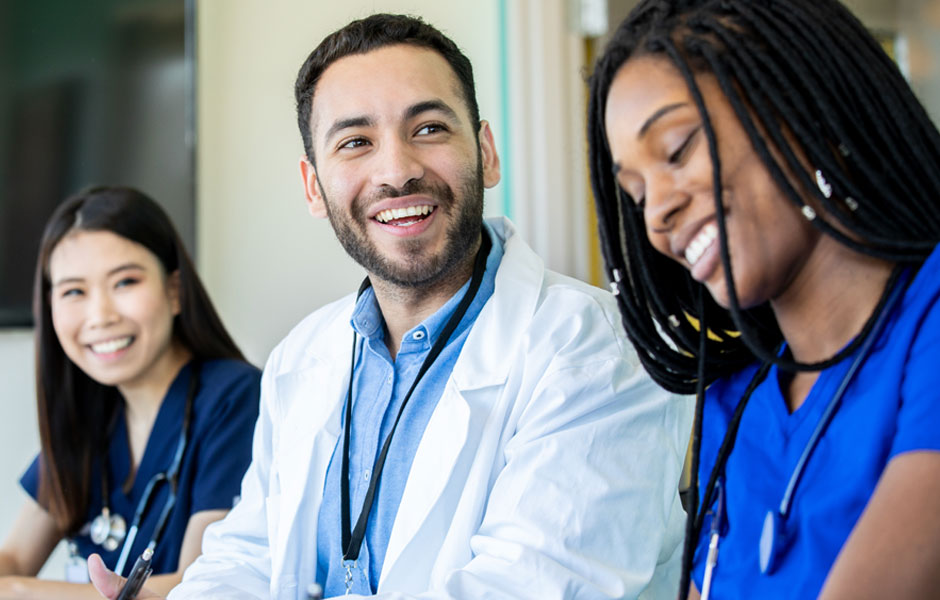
point(107, 530)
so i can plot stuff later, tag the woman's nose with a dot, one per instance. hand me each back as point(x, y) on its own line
point(101, 311)
point(663, 202)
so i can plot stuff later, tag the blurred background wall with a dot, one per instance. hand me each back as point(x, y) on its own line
point(265, 261)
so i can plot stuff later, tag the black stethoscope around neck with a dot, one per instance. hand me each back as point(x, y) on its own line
point(774, 539)
point(109, 530)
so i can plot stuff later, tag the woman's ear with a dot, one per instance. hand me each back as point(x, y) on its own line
point(174, 290)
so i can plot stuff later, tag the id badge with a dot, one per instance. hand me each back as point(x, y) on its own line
point(76, 568)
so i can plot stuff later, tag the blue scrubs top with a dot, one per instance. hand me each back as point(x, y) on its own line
point(891, 406)
point(224, 412)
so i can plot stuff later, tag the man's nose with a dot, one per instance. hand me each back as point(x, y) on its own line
point(664, 200)
point(396, 164)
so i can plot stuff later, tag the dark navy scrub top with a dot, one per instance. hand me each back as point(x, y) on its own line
point(216, 458)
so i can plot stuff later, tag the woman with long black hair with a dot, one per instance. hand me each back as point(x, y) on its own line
point(146, 405)
point(768, 191)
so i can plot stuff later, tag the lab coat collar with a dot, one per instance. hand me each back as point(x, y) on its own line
point(315, 390)
point(449, 443)
point(483, 360)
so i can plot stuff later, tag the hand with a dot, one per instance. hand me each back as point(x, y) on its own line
point(109, 583)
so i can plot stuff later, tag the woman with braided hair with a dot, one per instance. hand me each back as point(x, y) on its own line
point(768, 194)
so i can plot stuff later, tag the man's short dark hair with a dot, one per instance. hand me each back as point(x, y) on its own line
point(372, 33)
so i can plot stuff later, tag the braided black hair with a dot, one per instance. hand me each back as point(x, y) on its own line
point(806, 81)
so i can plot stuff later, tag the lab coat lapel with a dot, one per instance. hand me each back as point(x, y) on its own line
point(311, 422)
point(447, 449)
point(311, 397)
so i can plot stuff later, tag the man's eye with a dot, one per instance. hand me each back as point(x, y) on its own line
point(430, 129)
point(353, 143)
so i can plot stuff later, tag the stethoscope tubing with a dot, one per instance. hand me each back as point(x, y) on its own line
point(171, 476)
point(836, 400)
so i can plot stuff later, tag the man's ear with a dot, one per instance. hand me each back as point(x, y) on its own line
point(315, 203)
point(488, 155)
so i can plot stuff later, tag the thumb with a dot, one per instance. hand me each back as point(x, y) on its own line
point(107, 582)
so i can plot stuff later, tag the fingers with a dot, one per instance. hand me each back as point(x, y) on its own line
point(105, 581)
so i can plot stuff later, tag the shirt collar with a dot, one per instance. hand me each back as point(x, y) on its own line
point(369, 323)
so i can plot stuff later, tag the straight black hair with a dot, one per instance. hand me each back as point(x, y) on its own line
point(73, 408)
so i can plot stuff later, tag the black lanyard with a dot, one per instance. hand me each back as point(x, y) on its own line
point(352, 541)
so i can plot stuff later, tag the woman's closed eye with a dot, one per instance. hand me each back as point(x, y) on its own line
point(682, 151)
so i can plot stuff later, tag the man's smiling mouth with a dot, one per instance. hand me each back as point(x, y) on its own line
point(403, 217)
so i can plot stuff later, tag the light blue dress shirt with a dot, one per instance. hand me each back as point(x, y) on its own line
point(379, 387)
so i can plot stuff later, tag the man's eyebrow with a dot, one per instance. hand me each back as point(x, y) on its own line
point(430, 105)
point(348, 123)
point(656, 115)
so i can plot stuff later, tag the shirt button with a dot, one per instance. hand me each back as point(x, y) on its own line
point(366, 474)
point(418, 335)
point(388, 379)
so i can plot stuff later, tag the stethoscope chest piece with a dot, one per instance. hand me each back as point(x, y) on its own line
point(772, 542)
point(107, 530)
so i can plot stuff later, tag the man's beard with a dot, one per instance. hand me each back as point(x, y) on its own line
point(419, 270)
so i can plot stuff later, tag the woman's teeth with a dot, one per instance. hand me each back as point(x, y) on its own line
point(112, 346)
point(400, 213)
point(701, 243)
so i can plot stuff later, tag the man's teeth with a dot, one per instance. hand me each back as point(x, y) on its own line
point(701, 243)
point(111, 345)
point(400, 213)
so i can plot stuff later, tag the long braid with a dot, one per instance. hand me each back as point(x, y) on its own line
point(688, 549)
point(809, 86)
point(823, 80)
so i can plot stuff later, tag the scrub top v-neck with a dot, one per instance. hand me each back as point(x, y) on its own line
point(890, 407)
point(218, 453)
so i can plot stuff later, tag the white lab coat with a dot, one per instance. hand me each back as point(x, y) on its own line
point(548, 469)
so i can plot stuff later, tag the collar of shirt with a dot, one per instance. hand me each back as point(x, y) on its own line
point(369, 323)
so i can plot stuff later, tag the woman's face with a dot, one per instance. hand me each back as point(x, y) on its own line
point(112, 307)
point(661, 159)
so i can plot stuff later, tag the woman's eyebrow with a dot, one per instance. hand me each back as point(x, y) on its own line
point(657, 115)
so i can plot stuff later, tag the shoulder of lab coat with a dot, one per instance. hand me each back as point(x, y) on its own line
point(575, 471)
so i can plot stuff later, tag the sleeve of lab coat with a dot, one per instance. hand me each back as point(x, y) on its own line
point(586, 504)
point(236, 563)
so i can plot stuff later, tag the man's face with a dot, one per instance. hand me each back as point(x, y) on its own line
point(400, 171)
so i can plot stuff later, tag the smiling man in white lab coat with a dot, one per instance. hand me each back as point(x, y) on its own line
point(470, 425)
